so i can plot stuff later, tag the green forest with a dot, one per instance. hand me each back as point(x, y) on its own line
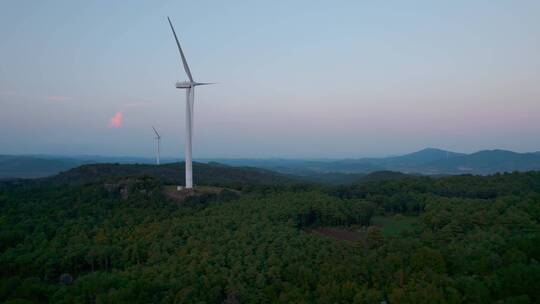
point(120, 239)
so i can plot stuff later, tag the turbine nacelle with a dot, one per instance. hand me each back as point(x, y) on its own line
point(190, 84)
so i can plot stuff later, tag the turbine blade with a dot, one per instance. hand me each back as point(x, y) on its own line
point(184, 61)
point(205, 83)
point(155, 131)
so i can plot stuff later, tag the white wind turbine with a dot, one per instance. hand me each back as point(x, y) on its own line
point(158, 139)
point(190, 96)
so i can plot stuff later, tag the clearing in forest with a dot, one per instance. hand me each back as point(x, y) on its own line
point(181, 195)
point(390, 226)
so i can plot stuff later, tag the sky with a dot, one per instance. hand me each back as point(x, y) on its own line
point(296, 79)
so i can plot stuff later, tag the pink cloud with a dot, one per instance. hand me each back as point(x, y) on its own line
point(58, 98)
point(116, 120)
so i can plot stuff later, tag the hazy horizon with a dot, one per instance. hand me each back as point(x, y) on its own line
point(168, 158)
point(296, 80)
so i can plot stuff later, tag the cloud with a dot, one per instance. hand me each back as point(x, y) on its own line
point(58, 98)
point(116, 120)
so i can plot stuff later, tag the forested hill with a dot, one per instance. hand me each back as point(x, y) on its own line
point(172, 173)
point(337, 178)
point(210, 174)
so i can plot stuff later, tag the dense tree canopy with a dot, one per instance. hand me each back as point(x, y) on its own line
point(471, 239)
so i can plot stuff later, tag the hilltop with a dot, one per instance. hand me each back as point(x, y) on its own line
point(172, 173)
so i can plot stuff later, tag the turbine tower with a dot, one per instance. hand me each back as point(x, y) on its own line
point(189, 86)
point(158, 139)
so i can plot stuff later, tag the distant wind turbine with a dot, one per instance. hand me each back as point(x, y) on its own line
point(158, 139)
point(190, 97)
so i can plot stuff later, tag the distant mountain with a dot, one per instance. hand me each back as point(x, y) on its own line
point(31, 166)
point(404, 163)
point(485, 162)
point(306, 167)
point(429, 161)
point(419, 157)
point(35, 166)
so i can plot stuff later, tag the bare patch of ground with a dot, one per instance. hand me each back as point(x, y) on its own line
point(181, 195)
point(389, 226)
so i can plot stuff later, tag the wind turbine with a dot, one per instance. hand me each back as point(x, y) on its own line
point(158, 139)
point(189, 86)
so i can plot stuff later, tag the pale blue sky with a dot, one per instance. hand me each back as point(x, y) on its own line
point(296, 78)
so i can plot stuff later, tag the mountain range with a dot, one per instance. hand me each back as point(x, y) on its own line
point(429, 161)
